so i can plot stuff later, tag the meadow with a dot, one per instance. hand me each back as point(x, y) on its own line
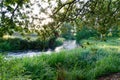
point(45, 25)
point(92, 60)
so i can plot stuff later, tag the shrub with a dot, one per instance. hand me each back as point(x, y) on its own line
point(59, 41)
point(14, 44)
point(67, 31)
point(85, 33)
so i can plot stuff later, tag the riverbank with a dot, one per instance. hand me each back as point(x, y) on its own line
point(94, 60)
point(19, 44)
point(67, 45)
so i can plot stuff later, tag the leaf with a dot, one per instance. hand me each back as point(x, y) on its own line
point(9, 8)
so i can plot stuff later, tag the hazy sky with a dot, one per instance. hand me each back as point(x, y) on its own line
point(44, 5)
point(36, 10)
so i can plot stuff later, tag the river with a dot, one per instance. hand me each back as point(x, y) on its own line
point(67, 45)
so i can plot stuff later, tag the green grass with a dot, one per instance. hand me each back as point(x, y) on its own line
point(87, 63)
point(112, 44)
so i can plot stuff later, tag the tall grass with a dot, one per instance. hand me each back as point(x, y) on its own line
point(79, 64)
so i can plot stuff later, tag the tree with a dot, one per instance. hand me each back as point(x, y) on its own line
point(9, 14)
point(101, 15)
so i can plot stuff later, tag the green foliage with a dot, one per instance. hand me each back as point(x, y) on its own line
point(59, 41)
point(38, 69)
point(116, 31)
point(22, 44)
point(17, 44)
point(99, 15)
point(85, 33)
point(66, 31)
point(8, 19)
point(13, 44)
point(79, 64)
point(11, 69)
point(97, 59)
point(107, 65)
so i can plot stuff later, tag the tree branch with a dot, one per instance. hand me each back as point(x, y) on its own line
point(13, 13)
point(68, 3)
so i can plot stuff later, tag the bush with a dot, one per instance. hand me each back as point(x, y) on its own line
point(67, 31)
point(59, 41)
point(14, 44)
point(85, 33)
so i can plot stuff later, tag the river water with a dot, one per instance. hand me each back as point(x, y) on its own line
point(67, 45)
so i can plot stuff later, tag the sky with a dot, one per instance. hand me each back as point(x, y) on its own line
point(45, 5)
point(36, 10)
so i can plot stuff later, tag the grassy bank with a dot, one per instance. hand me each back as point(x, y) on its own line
point(18, 44)
point(95, 59)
